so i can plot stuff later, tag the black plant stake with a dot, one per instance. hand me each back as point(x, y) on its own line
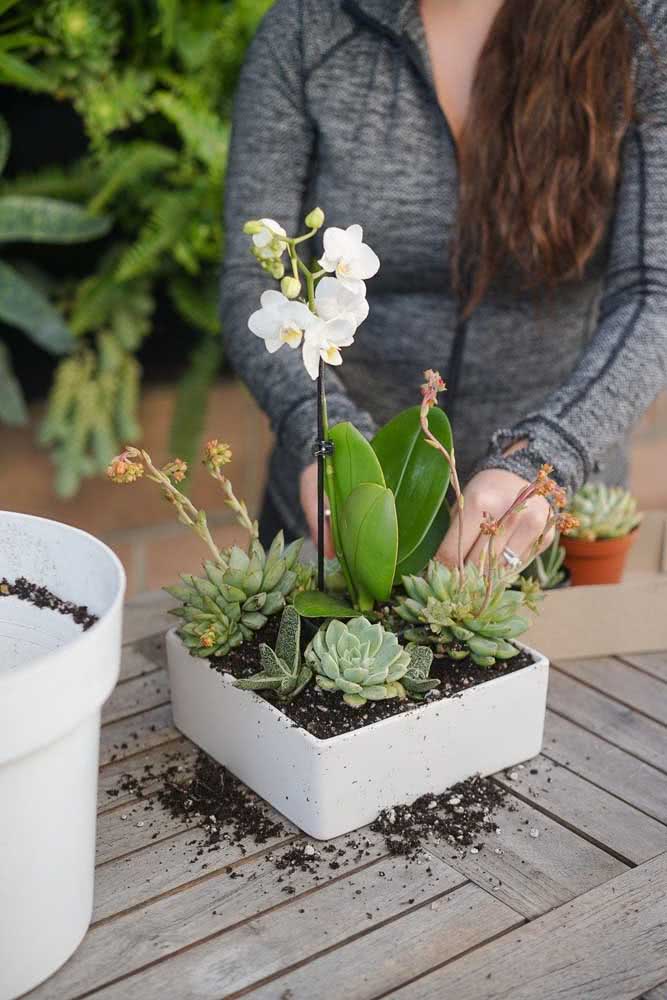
point(320, 451)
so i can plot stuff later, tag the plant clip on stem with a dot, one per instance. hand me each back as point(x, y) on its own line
point(321, 449)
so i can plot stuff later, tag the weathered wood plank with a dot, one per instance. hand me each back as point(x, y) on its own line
point(590, 811)
point(605, 765)
point(289, 934)
point(211, 905)
point(608, 719)
point(653, 663)
point(166, 866)
point(147, 615)
point(178, 751)
point(608, 944)
point(531, 874)
point(129, 828)
point(142, 657)
point(618, 680)
point(373, 964)
point(137, 695)
point(136, 734)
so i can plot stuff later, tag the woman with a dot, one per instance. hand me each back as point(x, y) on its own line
point(508, 162)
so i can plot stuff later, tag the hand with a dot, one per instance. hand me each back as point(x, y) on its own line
point(492, 492)
point(308, 497)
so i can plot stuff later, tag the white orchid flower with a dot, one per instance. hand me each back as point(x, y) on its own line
point(280, 321)
point(268, 247)
point(323, 339)
point(334, 300)
point(349, 257)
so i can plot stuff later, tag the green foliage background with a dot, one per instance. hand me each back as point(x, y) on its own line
point(152, 81)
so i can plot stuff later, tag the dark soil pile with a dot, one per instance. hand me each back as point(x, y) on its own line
point(325, 714)
point(222, 810)
point(43, 598)
point(460, 816)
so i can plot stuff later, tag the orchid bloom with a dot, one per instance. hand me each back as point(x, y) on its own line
point(349, 257)
point(323, 339)
point(280, 321)
point(268, 247)
point(334, 300)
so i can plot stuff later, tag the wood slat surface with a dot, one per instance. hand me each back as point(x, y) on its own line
point(567, 901)
point(609, 944)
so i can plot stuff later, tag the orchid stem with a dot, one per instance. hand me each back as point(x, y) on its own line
point(321, 419)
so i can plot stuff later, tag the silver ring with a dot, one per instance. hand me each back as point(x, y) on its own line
point(511, 558)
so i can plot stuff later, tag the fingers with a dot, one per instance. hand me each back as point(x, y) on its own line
point(449, 547)
point(528, 525)
point(499, 542)
point(308, 492)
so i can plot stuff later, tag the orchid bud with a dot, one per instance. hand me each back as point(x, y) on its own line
point(290, 287)
point(276, 269)
point(252, 227)
point(315, 218)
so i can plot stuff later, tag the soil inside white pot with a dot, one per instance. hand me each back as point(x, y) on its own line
point(325, 714)
point(33, 621)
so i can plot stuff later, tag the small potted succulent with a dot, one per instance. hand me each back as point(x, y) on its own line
point(329, 688)
point(607, 519)
point(547, 568)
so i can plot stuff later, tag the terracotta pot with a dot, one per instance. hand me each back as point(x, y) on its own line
point(601, 561)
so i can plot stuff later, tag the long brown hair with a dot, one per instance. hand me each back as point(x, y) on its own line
point(551, 100)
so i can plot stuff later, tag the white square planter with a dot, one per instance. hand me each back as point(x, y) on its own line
point(329, 787)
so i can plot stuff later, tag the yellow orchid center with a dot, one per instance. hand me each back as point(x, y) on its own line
point(291, 335)
point(330, 354)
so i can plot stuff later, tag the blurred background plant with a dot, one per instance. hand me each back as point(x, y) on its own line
point(123, 108)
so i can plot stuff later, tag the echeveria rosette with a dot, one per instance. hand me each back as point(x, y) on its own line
point(236, 597)
point(459, 613)
point(361, 660)
point(603, 512)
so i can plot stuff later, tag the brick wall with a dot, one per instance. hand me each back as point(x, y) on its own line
point(141, 527)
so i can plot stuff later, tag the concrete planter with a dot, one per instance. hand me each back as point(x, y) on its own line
point(329, 787)
point(54, 679)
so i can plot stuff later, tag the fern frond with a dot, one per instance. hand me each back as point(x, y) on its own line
point(204, 134)
point(158, 236)
point(196, 301)
point(102, 301)
point(130, 164)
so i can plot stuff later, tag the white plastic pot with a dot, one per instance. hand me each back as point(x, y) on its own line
point(54, 679)
point(330, 787)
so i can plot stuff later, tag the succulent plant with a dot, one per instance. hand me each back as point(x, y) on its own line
point(603, 512)
point(360, 659)
point(416, 680)
point(547, 569)
point(459, 613)
point(282, 670)
point(236, 597)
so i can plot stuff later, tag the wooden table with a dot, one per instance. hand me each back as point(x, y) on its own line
point(569, 900)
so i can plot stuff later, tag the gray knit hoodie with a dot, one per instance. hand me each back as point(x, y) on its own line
point(336, 107)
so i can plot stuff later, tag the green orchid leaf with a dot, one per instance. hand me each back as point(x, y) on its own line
point(315, 604)
point(420, 556)
point(369, 534)
point(24, 306)
point(46, 220)
point(354, 460)
point(417, 473)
